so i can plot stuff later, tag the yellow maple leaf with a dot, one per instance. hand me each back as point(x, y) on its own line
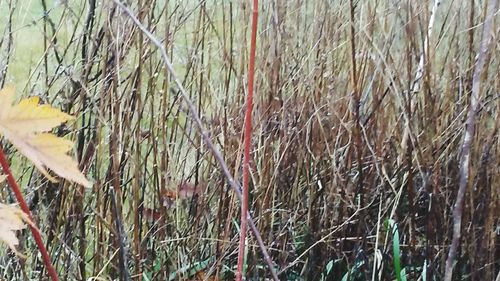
point(25, 125)
point(28, 116)
point(12, 219)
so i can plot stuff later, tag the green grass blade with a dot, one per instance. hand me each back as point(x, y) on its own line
point(400, 276)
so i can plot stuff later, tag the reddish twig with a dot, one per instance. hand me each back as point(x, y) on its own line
point(36, 233)
point(467, 141)
point(203, 132)
point(247, 140)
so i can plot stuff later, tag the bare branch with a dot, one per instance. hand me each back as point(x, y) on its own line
point(421, 62)
point(193, 112)
point(468, 138)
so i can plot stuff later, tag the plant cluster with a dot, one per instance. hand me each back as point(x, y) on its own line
point(373, 156)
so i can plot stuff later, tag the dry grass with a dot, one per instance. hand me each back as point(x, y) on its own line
point(350, 130)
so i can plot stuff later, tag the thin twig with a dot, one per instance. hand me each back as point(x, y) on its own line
point(192, 111)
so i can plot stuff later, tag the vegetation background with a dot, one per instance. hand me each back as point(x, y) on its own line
point(359, 121)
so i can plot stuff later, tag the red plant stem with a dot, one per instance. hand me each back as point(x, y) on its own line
point(247, 141)
point(36, 233)
point(203, 132)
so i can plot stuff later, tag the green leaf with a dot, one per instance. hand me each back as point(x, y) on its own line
point(400, 274)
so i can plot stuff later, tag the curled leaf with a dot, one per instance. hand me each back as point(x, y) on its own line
point(26, 125)
point(11, 220)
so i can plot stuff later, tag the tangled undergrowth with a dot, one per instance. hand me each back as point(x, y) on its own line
point(357, 147)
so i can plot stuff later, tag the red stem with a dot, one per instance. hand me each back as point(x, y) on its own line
point(36, 233)
point(247, 136)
